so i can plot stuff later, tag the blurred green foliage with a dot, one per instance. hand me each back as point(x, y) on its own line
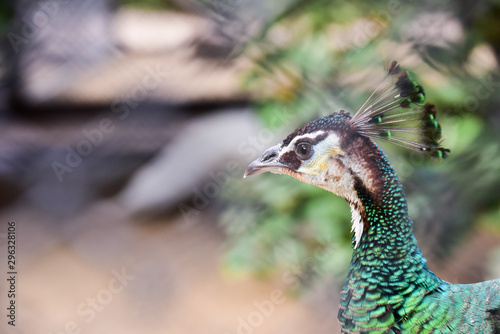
point(6, 15)
point(275, 228)
point(318, 57)
point(149, 4)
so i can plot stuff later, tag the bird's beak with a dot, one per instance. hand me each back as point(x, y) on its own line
point(268, 162)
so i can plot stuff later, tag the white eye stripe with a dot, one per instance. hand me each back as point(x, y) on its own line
point(291, 146)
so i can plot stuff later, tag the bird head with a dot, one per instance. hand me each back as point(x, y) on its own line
point(337, 153)
point(327, 153)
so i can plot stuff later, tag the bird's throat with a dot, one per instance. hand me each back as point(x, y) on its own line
point(380, 213)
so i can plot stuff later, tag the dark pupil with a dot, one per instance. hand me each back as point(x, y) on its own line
point(304, 151)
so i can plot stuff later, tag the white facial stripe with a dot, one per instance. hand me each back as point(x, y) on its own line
point(322, 152)
point(291, 146)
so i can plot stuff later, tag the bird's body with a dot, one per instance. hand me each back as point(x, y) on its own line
point(389, 288)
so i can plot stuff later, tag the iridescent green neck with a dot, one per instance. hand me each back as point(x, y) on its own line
point(387, 239)
point(387, 267)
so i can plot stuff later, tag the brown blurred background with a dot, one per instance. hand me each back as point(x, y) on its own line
point(125, 128)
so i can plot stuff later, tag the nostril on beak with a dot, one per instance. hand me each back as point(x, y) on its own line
point(269, 155)
point(267, 162)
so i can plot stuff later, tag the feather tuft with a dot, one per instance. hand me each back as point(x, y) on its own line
point(395, 112)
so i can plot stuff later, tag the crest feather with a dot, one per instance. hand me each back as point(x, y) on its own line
point(396, 112)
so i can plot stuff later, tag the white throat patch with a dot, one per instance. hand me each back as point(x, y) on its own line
point(357, 225)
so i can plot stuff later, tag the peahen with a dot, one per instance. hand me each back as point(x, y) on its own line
point(389, 288)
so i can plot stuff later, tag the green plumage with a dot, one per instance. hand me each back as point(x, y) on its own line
point(390, 289)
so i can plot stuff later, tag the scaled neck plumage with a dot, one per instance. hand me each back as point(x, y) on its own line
point(380, 213)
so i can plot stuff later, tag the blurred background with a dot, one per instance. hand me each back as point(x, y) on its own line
point(125, 127)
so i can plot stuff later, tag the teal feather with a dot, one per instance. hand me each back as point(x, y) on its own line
point(396, 113)
point(407, 297)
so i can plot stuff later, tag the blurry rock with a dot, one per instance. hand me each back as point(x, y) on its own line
point(55, 42)
point(204, 149)
point(165, 66)
point(88, 54)
point(239, 21)
point(17, 162)
point(60, 165)
point(172, 30)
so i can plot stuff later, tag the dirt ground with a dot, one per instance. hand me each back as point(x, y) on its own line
point(103, 272)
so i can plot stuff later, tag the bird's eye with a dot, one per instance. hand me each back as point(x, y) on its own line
point(304, 151)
